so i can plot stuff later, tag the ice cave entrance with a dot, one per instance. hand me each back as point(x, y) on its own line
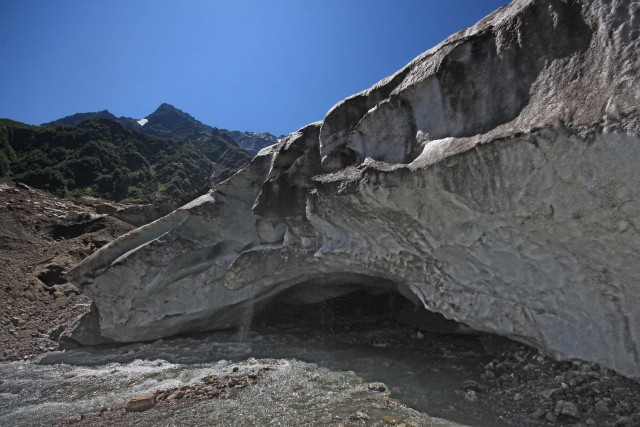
point(327, 305)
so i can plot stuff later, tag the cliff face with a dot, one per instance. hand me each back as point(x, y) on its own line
point(493, 180)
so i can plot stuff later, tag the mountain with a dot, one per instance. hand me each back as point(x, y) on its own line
point(251, 141)
point(105, 159)
point(78, 118)
point(170, 122)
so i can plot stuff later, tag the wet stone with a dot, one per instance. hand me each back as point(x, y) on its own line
point(176, 395)
point(471, 396)
point(141, 403)
point(391, 420)
point(377, 387)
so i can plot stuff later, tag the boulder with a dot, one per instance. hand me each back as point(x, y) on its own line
point(493, 180)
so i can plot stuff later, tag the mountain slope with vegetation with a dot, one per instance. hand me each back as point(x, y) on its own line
point(169, 122)
point(76, 119)
point(101, 158)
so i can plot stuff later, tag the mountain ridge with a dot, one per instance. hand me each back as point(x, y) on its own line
point(168, 121)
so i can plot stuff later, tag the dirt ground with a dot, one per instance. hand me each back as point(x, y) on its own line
point(41, 238)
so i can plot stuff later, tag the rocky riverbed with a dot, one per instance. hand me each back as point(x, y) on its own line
point(343, 371)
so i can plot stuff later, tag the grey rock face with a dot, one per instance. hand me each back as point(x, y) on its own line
point(494, 180)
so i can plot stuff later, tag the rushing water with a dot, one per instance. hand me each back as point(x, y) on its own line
point(316, 379)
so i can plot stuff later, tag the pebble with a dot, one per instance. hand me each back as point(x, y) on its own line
point(176, 395)
point(567, 409)
point(360, 415)
point(548, 393)
point(377, 387)
point(391, 420)
point(141, 403)
point(471, 396)
point(538, 413)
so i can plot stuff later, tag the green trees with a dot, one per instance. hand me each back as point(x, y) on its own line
point(101, 158)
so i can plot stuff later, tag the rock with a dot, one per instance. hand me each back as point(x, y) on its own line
point(105, 209)
point(23, 186)
point(518, 396)
point(537, 414)
point(66, 290)
point(551, 417)
point(389, 419)
point(176, 396)
point(141, 403)
point(360, 415)
point(493, 180)
point(601, 407)
point(471, 396)
point(566, 409)
point(18, 321)
point(377, 387)
point(549, 392)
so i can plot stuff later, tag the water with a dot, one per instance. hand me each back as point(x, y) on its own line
point(247, 317)
point(316, 379)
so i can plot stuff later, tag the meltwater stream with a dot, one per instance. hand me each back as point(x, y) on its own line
point(316, 378)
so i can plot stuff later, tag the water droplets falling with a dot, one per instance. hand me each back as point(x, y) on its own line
point(247, 317)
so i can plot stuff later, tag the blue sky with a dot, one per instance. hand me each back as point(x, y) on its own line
point(258, 65)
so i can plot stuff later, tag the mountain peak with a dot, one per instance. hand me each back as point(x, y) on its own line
point(168, 121)
point(166, 110)
point(165, 106)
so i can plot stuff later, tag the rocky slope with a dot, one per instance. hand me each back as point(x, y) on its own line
point(492, 180)
point(41, 238)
